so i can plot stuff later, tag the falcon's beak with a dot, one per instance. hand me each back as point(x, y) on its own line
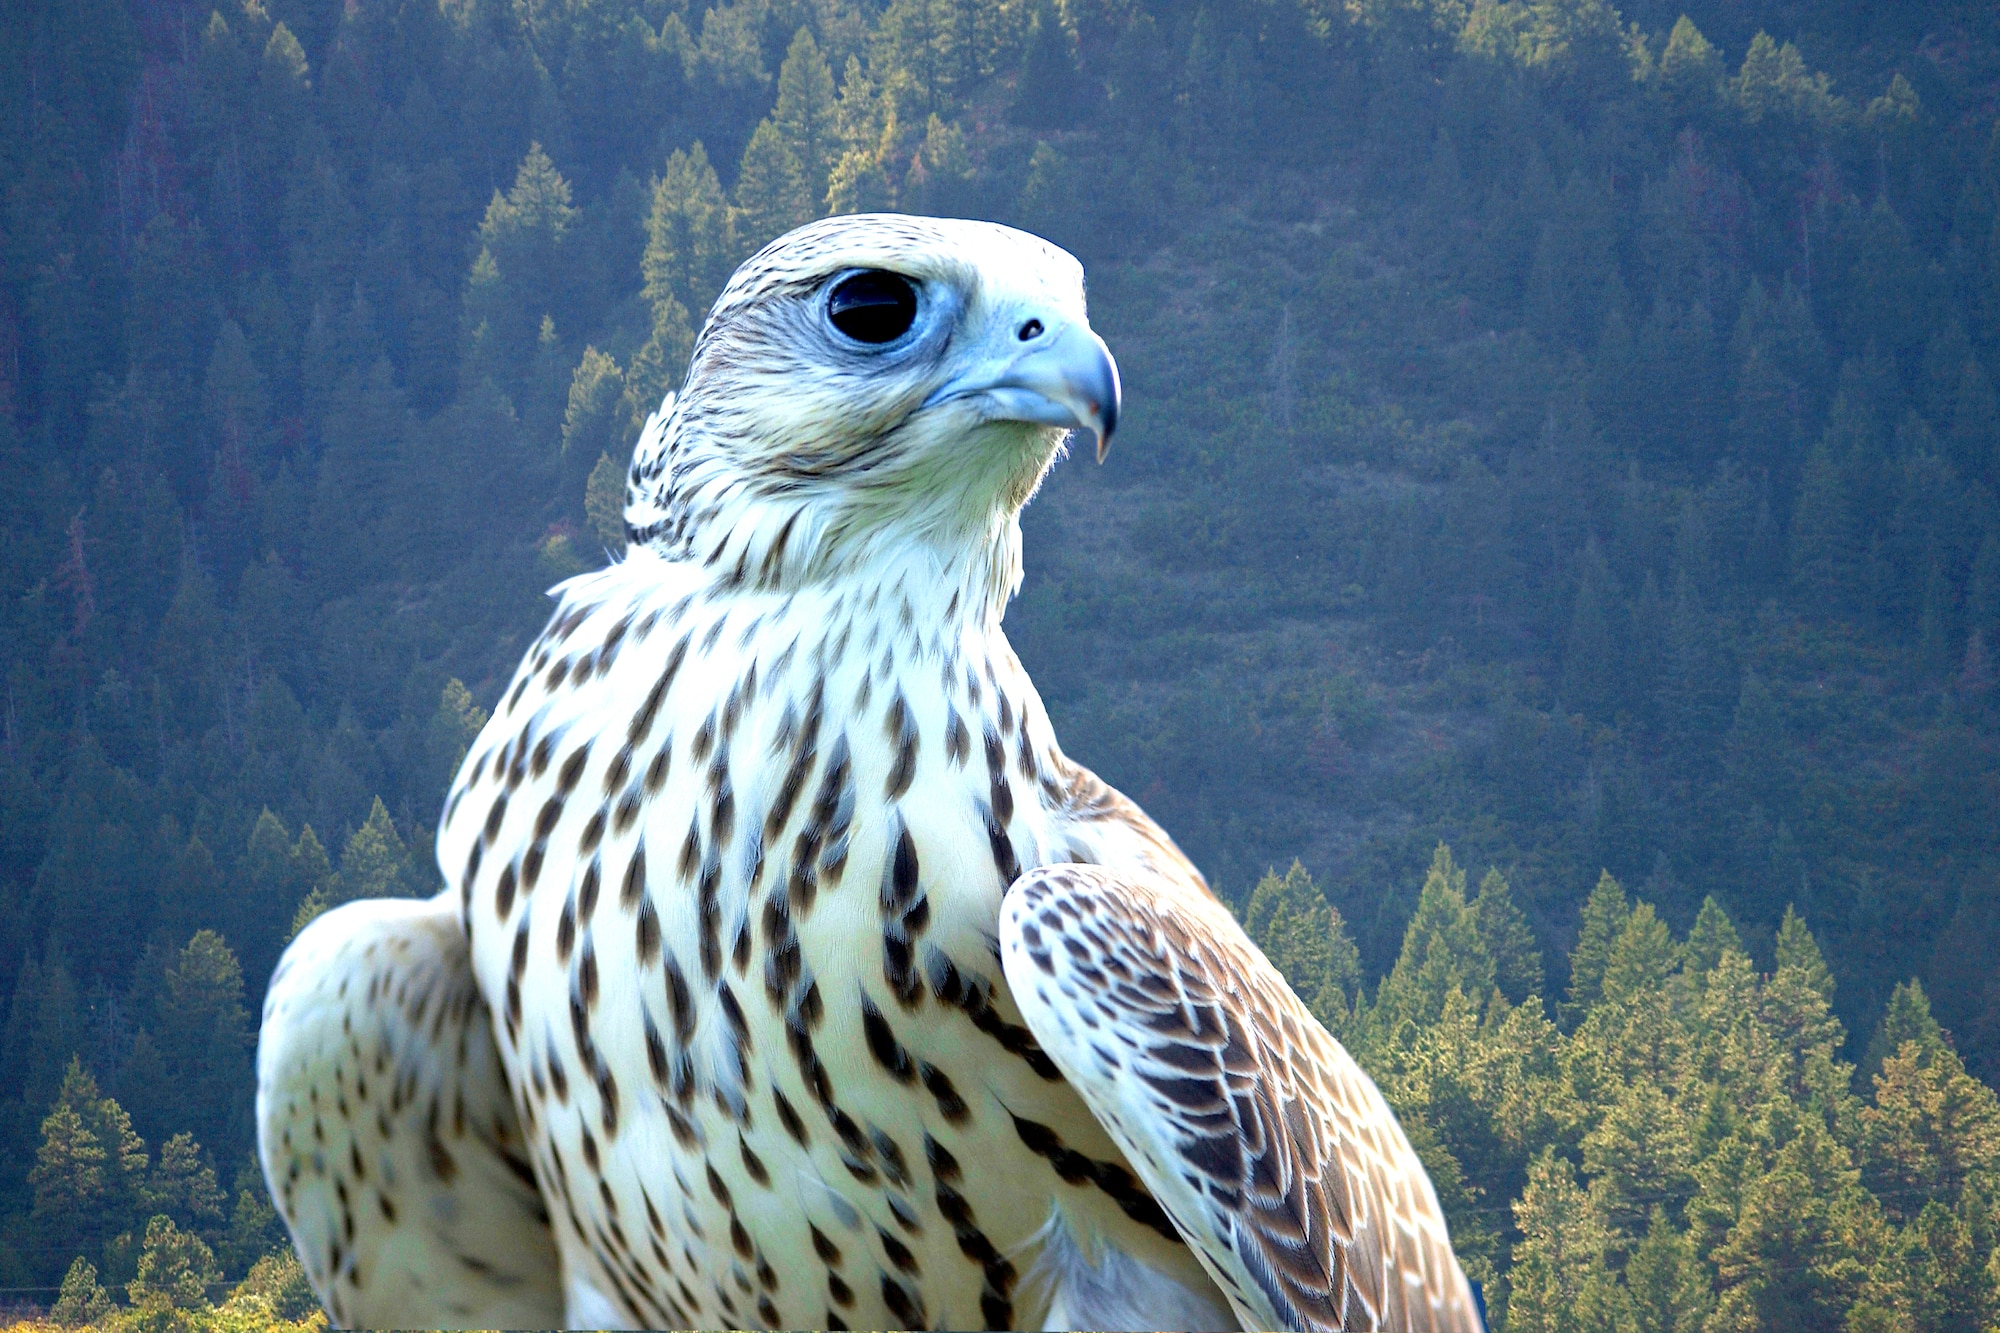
point(1053, 377)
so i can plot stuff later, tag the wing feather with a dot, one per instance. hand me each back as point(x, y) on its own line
point(387, 1132)
point(1273, 1152)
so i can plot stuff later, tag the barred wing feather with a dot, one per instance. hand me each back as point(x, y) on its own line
point(1273, 1152)
point(387, 1132)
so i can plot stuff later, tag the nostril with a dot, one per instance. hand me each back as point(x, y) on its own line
point(1031, 330)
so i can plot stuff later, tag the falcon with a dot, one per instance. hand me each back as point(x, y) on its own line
point(789, 974)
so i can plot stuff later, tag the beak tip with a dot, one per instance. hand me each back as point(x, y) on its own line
point(1103, 445)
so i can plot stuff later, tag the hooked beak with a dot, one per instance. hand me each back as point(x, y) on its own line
point(1062, 377)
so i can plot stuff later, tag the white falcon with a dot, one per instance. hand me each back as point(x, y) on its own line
point(790, 974)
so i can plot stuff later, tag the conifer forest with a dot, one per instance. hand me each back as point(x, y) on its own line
point(1548, 575)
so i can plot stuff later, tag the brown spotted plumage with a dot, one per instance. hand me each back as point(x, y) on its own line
point(738, 866)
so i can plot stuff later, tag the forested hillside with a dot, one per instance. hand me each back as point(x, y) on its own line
point(1563, 432)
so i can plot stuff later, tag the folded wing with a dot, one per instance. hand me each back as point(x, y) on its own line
point(1273, 1152)
point(387, 1133)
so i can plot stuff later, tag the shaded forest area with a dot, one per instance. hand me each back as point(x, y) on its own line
point(1563, 432)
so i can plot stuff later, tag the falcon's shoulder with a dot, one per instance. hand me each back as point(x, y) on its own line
point(387, 1132)
point(1273, 1152)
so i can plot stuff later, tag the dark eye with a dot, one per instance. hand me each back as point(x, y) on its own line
point(873, 307)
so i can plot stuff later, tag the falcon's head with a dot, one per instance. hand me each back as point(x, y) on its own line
point(869, 381)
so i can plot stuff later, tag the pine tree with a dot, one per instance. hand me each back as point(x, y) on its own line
point(1561, 1280)
point(1827, 553)
point(175, 1269)
point(1670, 1292)
point(691, 247)
point(1712, 934)
point(1050, 92)
point(1641, 959)
point(82, 1300)
point(771, 192)
point(1305, 939)
point(1442, 951)
point(1797, 1005)
point(236, 402)
point(939, 171)
point(89, 1172)
point(1795, 1259)
point(51, 1026)
point(453, 727)
point(1641, 1155)
point(858, 184)
point(183, 1186)
point(270, 870)
point(520, 274)
point(375, 863)
point(1947, 1281)
point(68, 1174)
point(1690, 71)
point(925, 50)
point(1590, 667)
point(1604, 916)
point(595, 419)
point(204, 1037)
point(806, 116)
point(1517, 959)
point(1932, 1130)
point(604, 504)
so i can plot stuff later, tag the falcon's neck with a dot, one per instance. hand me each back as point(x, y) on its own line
point(951, 543)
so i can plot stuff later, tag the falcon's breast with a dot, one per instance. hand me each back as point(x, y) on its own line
point(732, 868)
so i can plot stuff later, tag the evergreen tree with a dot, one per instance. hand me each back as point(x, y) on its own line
point(204, 1037)
point(183, 1186)
point(1561, 1280)
point(81, 1300)
point(858, 184)
point(1690, 71)
point(1604, 917)
point(1305, 939)
point(1050, 92)
point(1442, 951)
point(375, 863)
point(1712, 935)
point(1517, 959)
point(690, 247)
point(595, 420)
point(89, 1172)
point(604, 503)
point(1670, 1292)
point(175, 1269)
point(772, 195)
point(806, 117)
point(520, 275)
point(1932, 1131)
point(1795, 1260)
point(1827, 544)
point(1590, 668)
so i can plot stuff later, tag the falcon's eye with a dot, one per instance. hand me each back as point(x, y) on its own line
point(874, 306)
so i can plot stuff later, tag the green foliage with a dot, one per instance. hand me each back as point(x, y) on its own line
point(82, 1299)
point(1307, 941)
point(1443, 951)
point(1605, 914)
point(1693, 1156)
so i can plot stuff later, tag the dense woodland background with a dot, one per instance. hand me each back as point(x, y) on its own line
point(1565, 433)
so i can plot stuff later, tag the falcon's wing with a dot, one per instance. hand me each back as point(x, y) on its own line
point(387, 1133)
point(1273, 1152)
